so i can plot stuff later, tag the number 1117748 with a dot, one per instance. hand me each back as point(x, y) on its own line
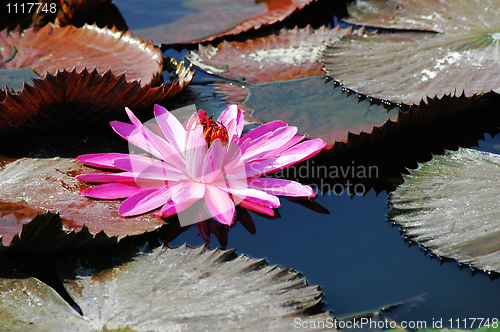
point(31, 7)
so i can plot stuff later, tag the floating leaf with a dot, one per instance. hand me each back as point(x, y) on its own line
point(50, 49)
point(291, 54)
point(78, 99)
point(318, 108)
point(184, 21)
point(406, 67)
point(436, 113)
point(79, 12)
point(166, 290)
point(426, 15)
point(450, 206)
point(45, 233)
point(21, 14)
point(50, 184)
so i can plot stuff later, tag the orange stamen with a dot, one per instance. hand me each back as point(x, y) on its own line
point(212, 129)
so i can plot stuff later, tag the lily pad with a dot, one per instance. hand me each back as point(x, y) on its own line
point(168, 290)
point(45, 233)
point(291, 54)
point(450, 206)
point(190, 21)
point(50, 184)
point(78, 99)
point(407, 67)
point(80, 12)
point(50, 49)
point(425, 15)
point(318, 108)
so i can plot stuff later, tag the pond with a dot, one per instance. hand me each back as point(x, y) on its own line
point(344, 241)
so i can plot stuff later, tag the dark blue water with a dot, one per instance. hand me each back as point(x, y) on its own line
point(362, 262)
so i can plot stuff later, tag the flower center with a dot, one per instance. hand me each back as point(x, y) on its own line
point(212, 129)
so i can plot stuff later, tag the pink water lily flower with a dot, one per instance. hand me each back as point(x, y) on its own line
point(200, 159)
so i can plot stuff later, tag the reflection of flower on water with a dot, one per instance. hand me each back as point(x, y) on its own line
point(200, 161)
point(221, 232)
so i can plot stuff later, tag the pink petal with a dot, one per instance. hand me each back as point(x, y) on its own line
point(155, 129)
point(249, 194)
point(213, 161)
point(267, 144)
point(232, 119)
point(290, 157)
point(231, 112)
point(112, 190)
point(220, 205)
point(184, 194)
point(172, 208)
point(134, 136)
point(232, 130)
point(124, 177)
point(190, 123)
point(103, 178)
point(232, 158)
point(257, 207)
point(100, 160)
point(281, 187)
point(171, 127)
point(169, 153)
point(149, 142)
point(150, 168)
point(144, 201)
point(293, 141)
point(264, 129)
point(195, 153)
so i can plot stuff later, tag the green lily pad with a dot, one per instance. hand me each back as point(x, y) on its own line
point(450, 206)
point(407, 67)
point(425, 15)
point(168, 290)
point(318, 108)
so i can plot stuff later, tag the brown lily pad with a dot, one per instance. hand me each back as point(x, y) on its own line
point(50, 185)
point(62, 13)
point(406, 67)
point(45, 233)
point(184, 21)
point(291, 54)
point(77, 99)
point(50, 49)
point(450, 206)
point(80, 12)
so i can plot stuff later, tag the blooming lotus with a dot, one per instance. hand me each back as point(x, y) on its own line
point(202, 159)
